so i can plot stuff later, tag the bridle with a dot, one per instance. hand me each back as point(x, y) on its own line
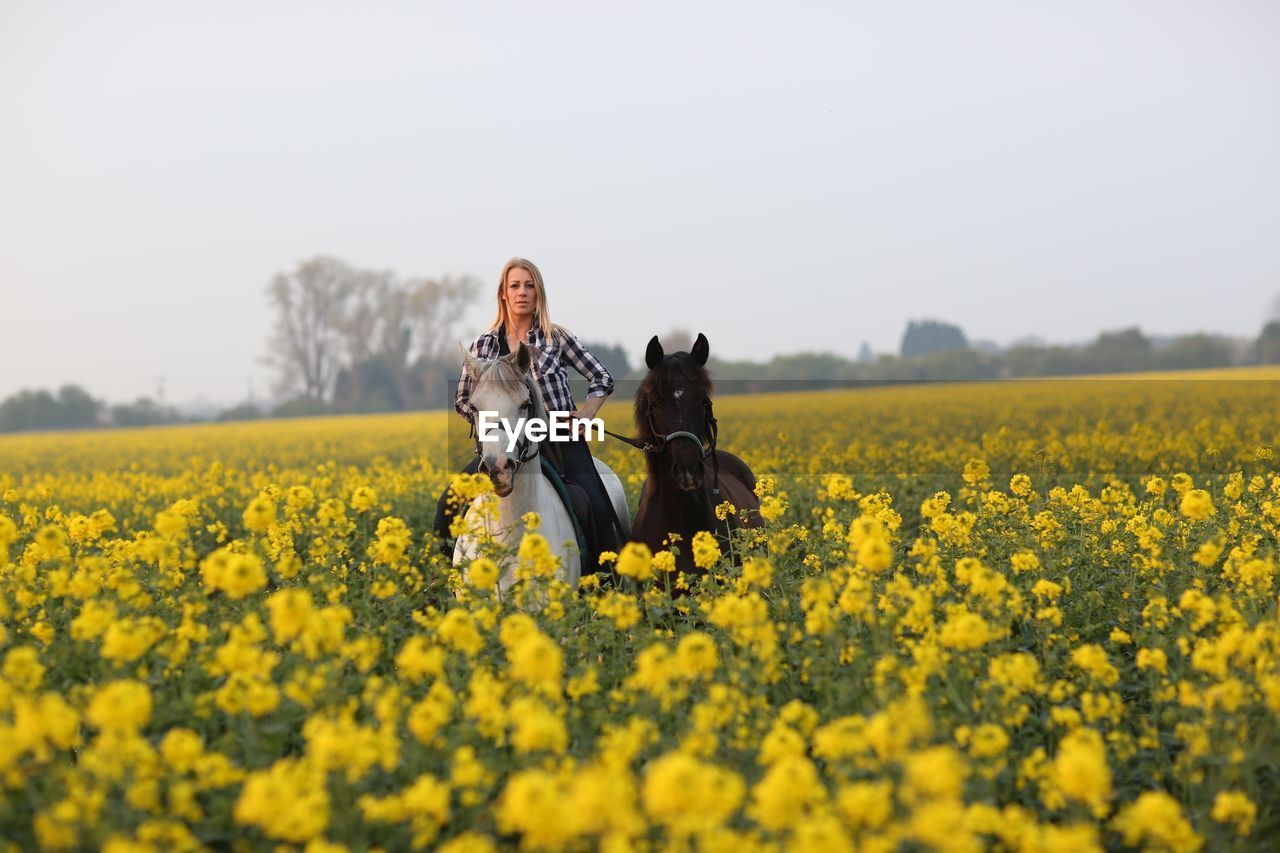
point(526, 449)
point(660, 442)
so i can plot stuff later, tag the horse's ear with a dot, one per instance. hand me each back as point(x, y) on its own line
point(701, 349)
point(523, 359)
point(653, 354)
point(471, 363)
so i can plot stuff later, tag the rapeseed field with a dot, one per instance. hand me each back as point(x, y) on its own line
point(1023, 616)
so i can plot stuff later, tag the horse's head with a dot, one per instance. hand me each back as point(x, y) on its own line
point(673, 410)
point(504, 392)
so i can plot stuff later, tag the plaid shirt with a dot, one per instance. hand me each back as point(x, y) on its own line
point(549, 360)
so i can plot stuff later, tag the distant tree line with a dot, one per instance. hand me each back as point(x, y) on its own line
point(935, 351)
point(406, 357)
point(72, 407)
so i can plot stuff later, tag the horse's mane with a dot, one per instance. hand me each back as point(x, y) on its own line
point(675, 366)
point(507, 378)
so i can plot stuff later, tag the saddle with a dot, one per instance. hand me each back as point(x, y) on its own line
point(575, 500)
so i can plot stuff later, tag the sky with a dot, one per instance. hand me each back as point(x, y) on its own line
point(782, 177)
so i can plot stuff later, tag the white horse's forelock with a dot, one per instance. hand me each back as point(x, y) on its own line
point(502, 375)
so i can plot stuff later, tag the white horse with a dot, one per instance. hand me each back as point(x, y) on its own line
point(506, 386)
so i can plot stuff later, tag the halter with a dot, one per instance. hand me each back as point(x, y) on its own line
point(660, 442)
point(713, 430)
point(526, 449)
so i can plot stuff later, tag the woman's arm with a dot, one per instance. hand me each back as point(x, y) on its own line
point(600, 381)
point(588, 409)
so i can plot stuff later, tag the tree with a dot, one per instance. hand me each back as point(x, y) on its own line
point(305, 341)
point(676, 340)
point(361, 338)
point(1269, 343)
point(1194, 351)
point(72, 408)
point(1120, 351)
point(613, 357)
point(142, 412)
point(357, 327)
point(923, 337)
point(78, 408)
point(437, 306)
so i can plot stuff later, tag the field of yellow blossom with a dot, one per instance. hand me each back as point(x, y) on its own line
point(1023, 615)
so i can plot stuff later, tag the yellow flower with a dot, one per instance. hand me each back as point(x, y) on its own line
point(537, 661)
point(875, 555)
point(181, 749)
point(1235, 807)
point(120, 706)
point(259, 515)
point(788, 792)
point(706, 551)
point(419, 658)
point(51, 542)
point(757, 572)
point(536, 557)
point(687, 795)
point(1081, 771)
point(289, 801)
point(482, 573)
point(1092, 658)
point(1197, 505)
point(866, 805)
point(965, 630)
point(22, 668)
point(988, 741)
point(458, 629)
point(1156, 817)
point(364, 499)
point(772, 508)
point(932, 773)
point(697, 655)
point(537, 728)
point(536, 806)
point(290, 610)
point(1153, 659)
point(635, 561)
point(976, 471)
point(468, 842)
point(244, 576)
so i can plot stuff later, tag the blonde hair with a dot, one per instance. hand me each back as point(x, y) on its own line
point(541, 315)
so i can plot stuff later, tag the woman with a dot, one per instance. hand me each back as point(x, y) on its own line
point(523, 318)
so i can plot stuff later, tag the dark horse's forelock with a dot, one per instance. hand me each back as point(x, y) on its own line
point(677, 366)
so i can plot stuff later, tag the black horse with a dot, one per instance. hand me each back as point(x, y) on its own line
point(688, 476)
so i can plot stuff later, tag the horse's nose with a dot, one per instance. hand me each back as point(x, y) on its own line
point(688, 479)
point(500, 472)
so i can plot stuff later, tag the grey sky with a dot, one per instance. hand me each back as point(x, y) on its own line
point(783, 177)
